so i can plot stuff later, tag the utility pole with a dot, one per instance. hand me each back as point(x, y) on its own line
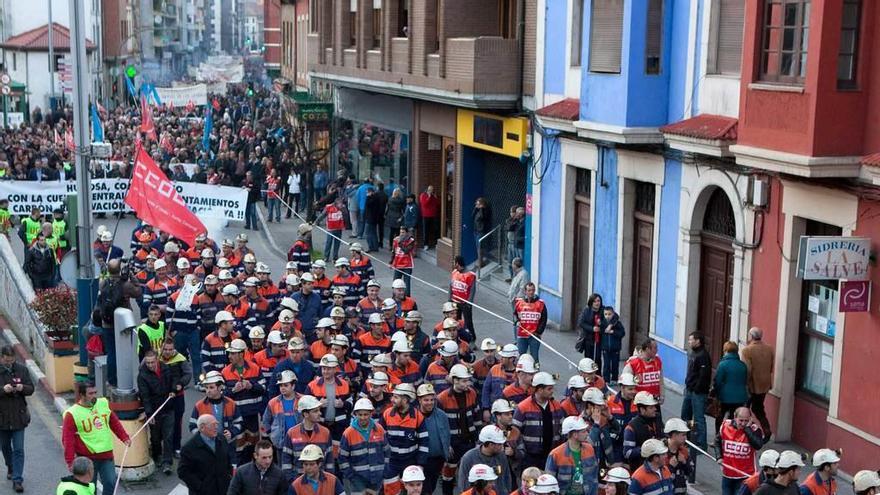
point(86, 284)
point(51, 34)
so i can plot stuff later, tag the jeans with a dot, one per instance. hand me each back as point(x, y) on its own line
point(360, 223)
point(610, 365)
point(250, 216)
point(694, 407)
point(331, 245)
point(107, 472)
point(380, 229)
point(274, 205)
point(189, 344)
point(179, 403)
point(511, 254)
point(477, 236)
point(730, 486)
point(530, 345)
point(406, 275)
point(162, 437)
point(371, 235)
point(12, 444)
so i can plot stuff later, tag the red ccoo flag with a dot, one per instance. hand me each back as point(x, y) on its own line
point(147, 126)
point(153, 198)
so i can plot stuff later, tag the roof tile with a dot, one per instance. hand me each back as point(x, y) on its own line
point(567, 109)
point(37, 39)
point(704, 126)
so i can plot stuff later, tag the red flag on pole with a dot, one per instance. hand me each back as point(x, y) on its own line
point(190, 106)
point(58, 141)
point(153, 198)
point(68, 140)
point(215, 104)
point(147, 126)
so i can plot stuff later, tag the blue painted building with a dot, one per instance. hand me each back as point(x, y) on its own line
point(638, 198)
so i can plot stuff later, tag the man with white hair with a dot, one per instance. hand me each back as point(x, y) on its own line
point(759, 358)
point(205, 465)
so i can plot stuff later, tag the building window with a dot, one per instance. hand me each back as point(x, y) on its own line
point(448, 193)
point(352, 24)
point(785, 40)
point(507, 18)
point(606, 33)
point(583, 183)
point(818, 328)
point(725, 40)
point(577, 23)
point(847, 56)
point(377, 24)
point(14, 61)
point(403, 19)
point(653, 36)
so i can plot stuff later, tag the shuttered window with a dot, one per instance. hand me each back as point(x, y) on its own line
point(577, 23)
point(847, 55)
point(653, 36)
point(725, 50)
point(606, 34)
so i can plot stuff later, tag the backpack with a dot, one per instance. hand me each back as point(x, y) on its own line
point(110, 297)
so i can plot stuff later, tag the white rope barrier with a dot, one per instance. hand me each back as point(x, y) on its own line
point(132, 437)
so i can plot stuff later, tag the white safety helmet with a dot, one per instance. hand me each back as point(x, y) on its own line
point(275, 337)
point(376, 319)
point(413, 316)
point(652, 446)
point(460, 371)
point(291, 265)
point(237, 345)
point(224, 275)
point(106, 236)
point(251, 282)
point(502, 406)
point(627, 380)
point(526, 364)
point(645, 399)
point(222, 316)
point(448, 348)
point(257, 333)
point(307, 277)
point(356, 247)
point(230, 290)
point(789, 459)
point(402, 346)
point(337, 312)
point(617, 475)
point(291, 279)
point(379, 379)
point(768, 459)
point(363, 405)
point(329, 361)
point(389, 304)
point(411, 474)
point(573, 423)
point(303, 229)
point(508, 351)
point(546, 483)
point(675, 425)
point(159, 264)
point(406, 390)
point(425, 389)
point(325, 323)
point(340, 340)
point(311, 452)
point(213, 377)
point(319, 264)
point(307, 403)
point(542, 378)
point(289, 303)
point(296, 344)
point(493, 434)
point(341, 261)
point(374, 283)
point(398, 283)
point(594, 396)
point(170, 247)
point(449, 323)
point(286, 316)
point(207, 253)
point(263, 268)
point(825, 456)
point(250, 258)
point(481, 472)
point(287, 376)
point(449, 306)
point(865, 480)
point(398, 336)
point(182, 263)
point(223, 263)
point(587, 365)
point(488, 345)
point(382, 360)
point(577, 381)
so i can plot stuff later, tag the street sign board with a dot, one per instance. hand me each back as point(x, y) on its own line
point(314, 112)
point(834, 258)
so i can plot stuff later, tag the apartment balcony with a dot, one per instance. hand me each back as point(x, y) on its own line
point(471, 72)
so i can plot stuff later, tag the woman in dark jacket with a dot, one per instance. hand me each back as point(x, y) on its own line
point(394, 214)
point(730, 383)
point(411, 213)
point(481, 218)
point(590, 324)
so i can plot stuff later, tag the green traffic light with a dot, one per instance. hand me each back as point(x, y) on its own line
point(250, 92)
point(131, 71)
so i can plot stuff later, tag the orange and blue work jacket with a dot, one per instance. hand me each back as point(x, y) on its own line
point(528, 417)
point(208, 307)
point(493, 387)
point(367, 308)
point(367, 347)
point(296, 440)
point(409, 374)
point(363, 453)
point(560, 464)
point(437, 373)
point(326, 484)
point(249, 401)
point(224, 410)
point(267, 363)
point(465, 418)
point(514, 393)
point(646, 481)
point(407, 437)
point(814, 485)
point(352, 287)
point(214, 351)
point(338, 423)
point(276, 418)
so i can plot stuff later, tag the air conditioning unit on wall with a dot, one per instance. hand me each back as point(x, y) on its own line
point(760, 192)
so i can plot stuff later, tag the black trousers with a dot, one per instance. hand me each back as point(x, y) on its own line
point(467, 313)
point(432, 473)
point(756, 404)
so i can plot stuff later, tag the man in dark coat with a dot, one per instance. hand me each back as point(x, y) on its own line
point(260, 476)
point(40, 263)
point(204, 460)
point(155, 384)
point(15, 385)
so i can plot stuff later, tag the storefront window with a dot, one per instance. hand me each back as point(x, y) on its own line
point(369, 150)
point(448, 192)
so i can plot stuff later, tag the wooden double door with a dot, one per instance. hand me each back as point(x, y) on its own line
point(716, 292)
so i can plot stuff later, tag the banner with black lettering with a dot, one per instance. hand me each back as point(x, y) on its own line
point(108, 196)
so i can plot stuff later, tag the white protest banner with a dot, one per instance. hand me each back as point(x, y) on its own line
point(108, 196)
point(14, 119)
point(179, 96)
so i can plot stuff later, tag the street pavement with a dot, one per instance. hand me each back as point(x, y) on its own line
point(45, 464)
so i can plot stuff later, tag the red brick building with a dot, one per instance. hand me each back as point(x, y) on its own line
point(272, 36)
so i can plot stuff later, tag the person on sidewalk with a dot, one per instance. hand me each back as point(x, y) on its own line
point(40, 264)
point(429, 209)
point(373, 211)
point(205, 463)
point(80, 481)
point(252, 186)
point(402, 249)
point(589, 323)
point(647, 367)
point(260, 476)
point(530, 320)
point(155, 385)
point(87, 430)
point(333, 213)
point(697, 382)
point(518, 282)
point(612, 341)
point(737, 444)
point(729, 385)
point(15, 386)
point(759, 358)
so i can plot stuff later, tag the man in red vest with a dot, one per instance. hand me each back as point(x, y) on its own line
point(402, 257)
point(462, 289)
point(530, 318)
point(335, 225)
point(738, 443)
point(647, 367)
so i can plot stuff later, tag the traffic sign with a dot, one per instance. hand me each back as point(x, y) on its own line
point(5, 79)
point(6, 90)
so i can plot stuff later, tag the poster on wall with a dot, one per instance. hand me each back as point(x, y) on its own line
point(834, 258)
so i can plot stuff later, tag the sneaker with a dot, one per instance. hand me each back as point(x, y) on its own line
point(167, 469)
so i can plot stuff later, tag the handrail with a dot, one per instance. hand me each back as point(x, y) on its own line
point(490, 232)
